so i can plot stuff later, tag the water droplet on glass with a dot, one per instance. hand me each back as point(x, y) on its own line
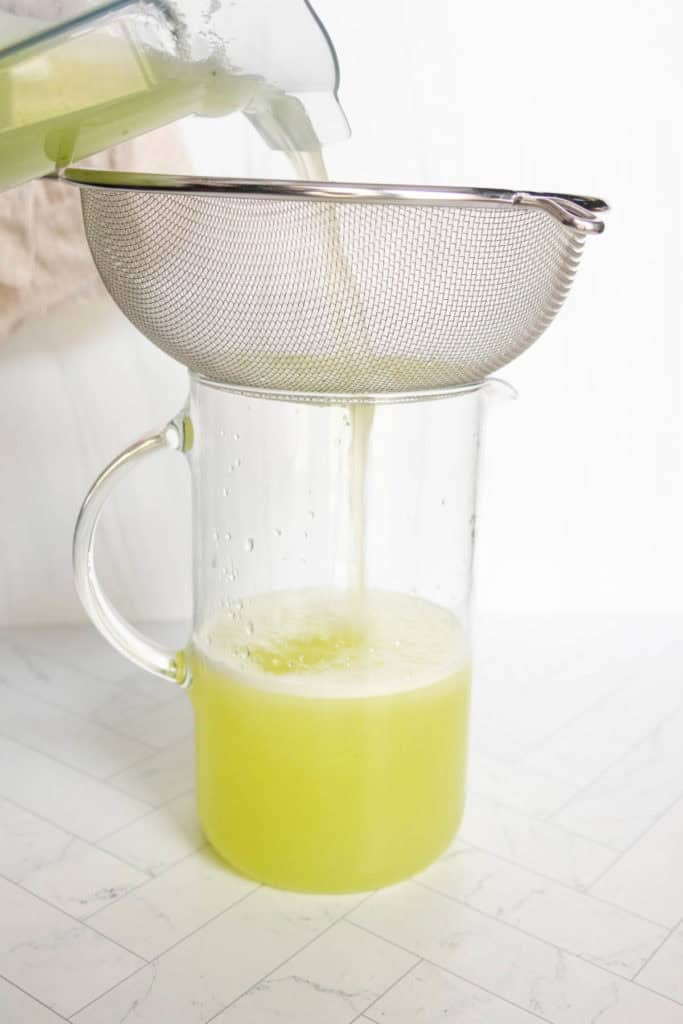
point(227, 535)
point(235, 437)
point(278, 531)
point(311, 514)
point(443, 502)
point(305, 534)
point(216, 536)
point(236, 464)
point(249, 544)
point(226, 492)
point(250, 628)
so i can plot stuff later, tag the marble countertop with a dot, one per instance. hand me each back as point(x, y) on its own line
point(561, 900)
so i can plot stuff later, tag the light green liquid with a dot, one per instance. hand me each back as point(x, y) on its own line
point(331, 737)
point(85, 94)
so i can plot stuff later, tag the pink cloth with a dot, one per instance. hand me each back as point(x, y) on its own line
point(44, 257)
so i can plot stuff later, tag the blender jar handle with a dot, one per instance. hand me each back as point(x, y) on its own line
point(144, 653)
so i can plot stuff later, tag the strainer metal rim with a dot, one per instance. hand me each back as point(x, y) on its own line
point(578, 213)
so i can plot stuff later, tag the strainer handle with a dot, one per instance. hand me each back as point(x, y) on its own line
point(144, 653)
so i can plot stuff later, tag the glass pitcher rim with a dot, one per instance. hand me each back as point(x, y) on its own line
point(353, 397)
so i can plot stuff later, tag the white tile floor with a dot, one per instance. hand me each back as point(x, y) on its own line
point(561, 901)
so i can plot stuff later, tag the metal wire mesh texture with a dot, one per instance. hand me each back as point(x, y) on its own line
point(333, 289)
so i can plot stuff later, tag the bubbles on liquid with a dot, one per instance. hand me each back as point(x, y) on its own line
point(249, 544)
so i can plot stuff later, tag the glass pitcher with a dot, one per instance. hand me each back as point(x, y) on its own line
point(114, 71)
point(329, 660)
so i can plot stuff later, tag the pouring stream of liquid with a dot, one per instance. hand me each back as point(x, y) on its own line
point(311, 166)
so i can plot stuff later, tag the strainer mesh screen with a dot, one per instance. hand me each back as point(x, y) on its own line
point(328, 296)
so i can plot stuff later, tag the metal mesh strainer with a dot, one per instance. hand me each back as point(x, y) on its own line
point(328, 288)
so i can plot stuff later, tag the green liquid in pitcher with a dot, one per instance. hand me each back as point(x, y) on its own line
point(331, 737)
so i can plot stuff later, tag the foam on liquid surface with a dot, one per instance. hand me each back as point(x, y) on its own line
point(330, 643)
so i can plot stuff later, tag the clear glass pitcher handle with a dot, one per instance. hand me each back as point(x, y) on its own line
point(144, 653)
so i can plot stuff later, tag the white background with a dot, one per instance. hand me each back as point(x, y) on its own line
point(583, 490)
